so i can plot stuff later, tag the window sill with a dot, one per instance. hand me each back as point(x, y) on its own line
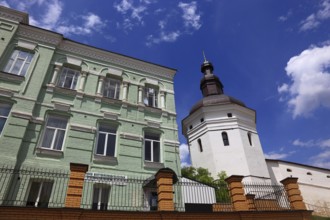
point(49, 152)
point(153, 165)
point(11, 77)
point(111, 101)
point(65, 91)
point(105, 160)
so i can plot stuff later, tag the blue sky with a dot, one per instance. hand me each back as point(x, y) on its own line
point(273, 55)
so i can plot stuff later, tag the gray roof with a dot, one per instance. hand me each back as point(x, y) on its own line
point(215, 100)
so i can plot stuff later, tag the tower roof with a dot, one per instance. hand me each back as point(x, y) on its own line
point(212, 89)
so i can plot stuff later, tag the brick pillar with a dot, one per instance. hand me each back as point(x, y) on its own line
point(76, 184)
point(294, 194)
point(164, 179)
point(250, 200)
point(237, 193)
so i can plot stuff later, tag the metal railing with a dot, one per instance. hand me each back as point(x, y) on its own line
point(266, 196)
point(33, 187)
point(191, 195)
point(110, 192)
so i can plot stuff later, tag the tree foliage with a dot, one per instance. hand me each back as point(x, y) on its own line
point(204, 176)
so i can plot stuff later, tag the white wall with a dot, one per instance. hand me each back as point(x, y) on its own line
point(315, 188)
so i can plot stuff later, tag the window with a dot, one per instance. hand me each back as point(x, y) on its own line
point(153, 201)
point(106, 141)
point(202, 120)
point(111, 88)
point(250, 138)
point(200, 145)
point(152, 147)
point(54, 133)
point(4, 112)
point(19, 62)
point(309, 173)
point(100, 197)
point(229, 115)
point(288, 170)
point(225, 138)
point(151, 97)
point(39, 194)
point(68, 78)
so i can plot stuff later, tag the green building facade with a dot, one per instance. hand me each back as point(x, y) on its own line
point(64, 102)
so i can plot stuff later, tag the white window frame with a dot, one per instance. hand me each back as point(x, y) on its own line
point(101, 187)
point(26, 62)
point(75, 78)
point(152, 147)
point(55, 133)
point(107, 88)
point(39, 190)
point(107, 134)
point(151, 92)
point(5, 116)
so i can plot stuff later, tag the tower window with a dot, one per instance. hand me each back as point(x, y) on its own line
point(225, 138)
point(202, 119)
point(328, 176)
point(288, 170)
point(309, 173)
point(200, 145)
point(250, 138)
point(190, 127)
point(229, 115)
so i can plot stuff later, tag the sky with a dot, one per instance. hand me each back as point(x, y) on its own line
point(274, 55)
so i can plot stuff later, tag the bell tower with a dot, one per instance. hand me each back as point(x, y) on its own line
point(221, 132)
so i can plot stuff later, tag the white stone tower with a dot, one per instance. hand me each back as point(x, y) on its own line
point(221, 132)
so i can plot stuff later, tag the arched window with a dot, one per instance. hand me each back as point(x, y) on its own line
point(250, 138)
point(225, 138)
point(200, 145)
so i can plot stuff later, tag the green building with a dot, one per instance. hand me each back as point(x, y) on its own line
point(64, 102)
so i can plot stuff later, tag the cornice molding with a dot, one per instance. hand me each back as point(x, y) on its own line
point(39, 35)
point(14, 15)
point(117, 59)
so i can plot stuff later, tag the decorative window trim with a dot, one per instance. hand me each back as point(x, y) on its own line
point(199, 141)
point(153, 165)
point(151, 93)
point(108, 134)
point(152, 142)
point(225, 138)
point(16, 55)
point(5, 105)
point(47, 150)
point(11, 77)
point(40, 190)
point(105, 159)
point(75, 78)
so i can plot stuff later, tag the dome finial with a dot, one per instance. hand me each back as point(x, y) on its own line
point(205, 60)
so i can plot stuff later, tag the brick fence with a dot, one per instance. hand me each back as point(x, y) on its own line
point(23, 213)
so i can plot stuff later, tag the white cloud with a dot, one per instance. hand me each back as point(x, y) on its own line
point(315, 19)
point(52, 14)
point(92, 23)
point(184, 155)
point(163, 37)
point(323, 143)
point(278, 155)
point(4, 3)
point(310, 76)
point(190, 16)
point(309, 143)
point(322, 159)
point(133, 14)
